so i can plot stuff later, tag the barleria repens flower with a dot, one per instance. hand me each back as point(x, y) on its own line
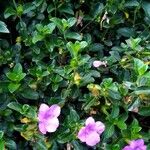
point(47, 117)
point(90, 133)
point(136, 145)
point(98, 63)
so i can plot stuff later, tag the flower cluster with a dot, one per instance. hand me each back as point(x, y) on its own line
point(135, 145)
point(48, 121)
point(91, 132)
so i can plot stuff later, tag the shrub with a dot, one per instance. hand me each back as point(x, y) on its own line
point(90, 58)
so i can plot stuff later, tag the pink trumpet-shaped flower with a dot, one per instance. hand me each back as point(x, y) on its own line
point(90, 134)
point(98, 63)
point(47, 117)
point(135, 145)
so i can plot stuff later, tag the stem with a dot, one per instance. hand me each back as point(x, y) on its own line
point(14, 2)
point(143, 31)
point(134, 17)
point(87, 25)
point(104, 34)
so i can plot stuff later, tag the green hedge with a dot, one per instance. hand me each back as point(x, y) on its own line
point(90, 57)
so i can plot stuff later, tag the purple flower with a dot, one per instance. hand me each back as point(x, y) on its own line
point(91, 132)
point(47, 117)
point(98, 63)
point(136, 145)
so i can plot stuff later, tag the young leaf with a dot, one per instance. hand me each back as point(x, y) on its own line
point(3, 28)
point(73, 35)
point(15, 106)
point(9, 12)
point(109, 131)
point(139, 66)
point(13, 87)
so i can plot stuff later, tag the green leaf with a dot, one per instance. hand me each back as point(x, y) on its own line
point(83, 44)
point(146, 7)
point(126, 32)
point(30, 112)
point(2, 145)
point(11, 144)
point(15, 106)
point(114, 94)
point(15, 77)
point(42, 31)
point(132, 3)
point(123, 117)
point(133, 43)
point(30, 94)
point(107, 82)
point(49, 28)
point(9, 12)
point(66, 9)
point(75, 47)
point(73, 35)
point(41, 145)
point(58, 23)
point(121, 124)
point(37, 37)
point(28, 7)
point(135, 128)
point(66, 136)
point(71, 21)
point(142, 91)
point(3, 28)
point(13, 87)
point(115, 111)
point(17, 74)
point(57, 78)
point(1, 134)
point(144, 111)
point(73, 116)
point(50, 8)
point(55, 87)
point(97, 47)
point(97, 9)
point(144, 80)
point(109, 131)
point(139, 66)
point(77, 146)
point(17, 69)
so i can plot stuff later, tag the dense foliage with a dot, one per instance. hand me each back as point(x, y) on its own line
point(47, 50)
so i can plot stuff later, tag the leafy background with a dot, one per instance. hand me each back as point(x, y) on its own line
point(46, 53)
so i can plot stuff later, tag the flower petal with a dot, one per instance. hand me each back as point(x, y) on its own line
point(92, 139)
point(52, 124)
point(100, 127)
point(43, 108)
point(139, 142)
point(42, 128)
point(127, 148)
point(136, 143)
point(82, 134)
point(143, 147)
point(90, 120)
point(42, 112)
point(54, 110)
point(96, 63)
point(41, 116)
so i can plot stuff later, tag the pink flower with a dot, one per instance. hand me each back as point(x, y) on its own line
point(91, 132)
point(47, 117)
point(98, 63)
point(135, 145)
